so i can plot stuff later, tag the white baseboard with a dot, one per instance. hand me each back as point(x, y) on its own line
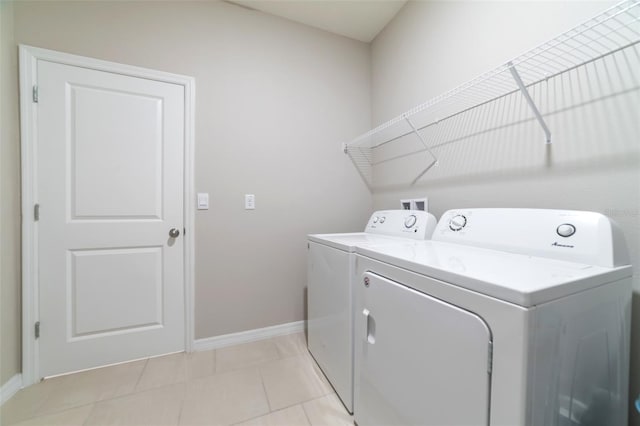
point(10, 388)
point(248, 336)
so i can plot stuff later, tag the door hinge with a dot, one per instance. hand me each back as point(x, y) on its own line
point(490, 358)
point(36, 212)
point(37, 329)
point(35, 94)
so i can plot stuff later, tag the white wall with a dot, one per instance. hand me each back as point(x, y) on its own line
point(10, 205)
point(594, 161)
point(274, 100)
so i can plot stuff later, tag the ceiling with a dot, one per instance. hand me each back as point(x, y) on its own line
point(357, 19)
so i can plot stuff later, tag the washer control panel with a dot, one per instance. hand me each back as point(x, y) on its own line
point(575, 236)
point(414, 224)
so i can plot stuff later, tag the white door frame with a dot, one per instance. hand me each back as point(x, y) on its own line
point(28, 125)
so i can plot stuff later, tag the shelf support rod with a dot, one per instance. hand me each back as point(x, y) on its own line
point(532, 105)
point(435, 159)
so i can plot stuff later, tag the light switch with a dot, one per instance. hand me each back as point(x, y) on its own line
point(203, 201)
point(249, 201)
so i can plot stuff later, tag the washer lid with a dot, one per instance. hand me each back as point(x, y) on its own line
point(516, 278)
point(348, 242)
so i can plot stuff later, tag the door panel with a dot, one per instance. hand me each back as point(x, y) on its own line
point(110, 187)
point(419, 360)
point(130, 279)
point(109, 150)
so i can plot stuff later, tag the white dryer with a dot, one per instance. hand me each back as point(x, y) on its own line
point(331, 270)
point(506, 317)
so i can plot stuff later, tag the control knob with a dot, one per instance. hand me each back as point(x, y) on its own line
point(566, 230)
point(410, 221)
point(457, 222)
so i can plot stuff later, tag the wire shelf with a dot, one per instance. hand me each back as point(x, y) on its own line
point(613, 30)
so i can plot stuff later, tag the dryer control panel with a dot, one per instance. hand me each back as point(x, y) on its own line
point(414, 224)
point(576, 236)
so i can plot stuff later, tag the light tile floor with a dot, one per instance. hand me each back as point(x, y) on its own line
point(272, 382)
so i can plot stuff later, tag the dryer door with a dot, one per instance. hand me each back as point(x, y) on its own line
point(419, 360)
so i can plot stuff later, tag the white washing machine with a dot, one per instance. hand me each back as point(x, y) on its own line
point(506, 317)
point(331, 269)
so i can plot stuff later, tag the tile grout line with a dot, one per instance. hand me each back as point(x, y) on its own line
point(264, 389)
point(303, 355)
point(256, 364)
point(84, 423)
point(73, 376)
point(307, 400)
point(129, 395)
point(48, 395)
point(269, 413)
point(301, 404)
point(304, 410)
point(184, 398)
point(135, 387)
point(54, 413)
point(72, 379)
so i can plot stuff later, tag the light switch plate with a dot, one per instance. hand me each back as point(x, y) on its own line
point(249, 201)
point(203, 201)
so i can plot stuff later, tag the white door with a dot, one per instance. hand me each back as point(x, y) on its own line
point(110, 188)
point(419, 360)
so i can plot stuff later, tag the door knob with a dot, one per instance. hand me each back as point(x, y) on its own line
point(174, 233)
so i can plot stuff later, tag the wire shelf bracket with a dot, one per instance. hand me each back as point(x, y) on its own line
point(532, 104)
point(434, 162)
